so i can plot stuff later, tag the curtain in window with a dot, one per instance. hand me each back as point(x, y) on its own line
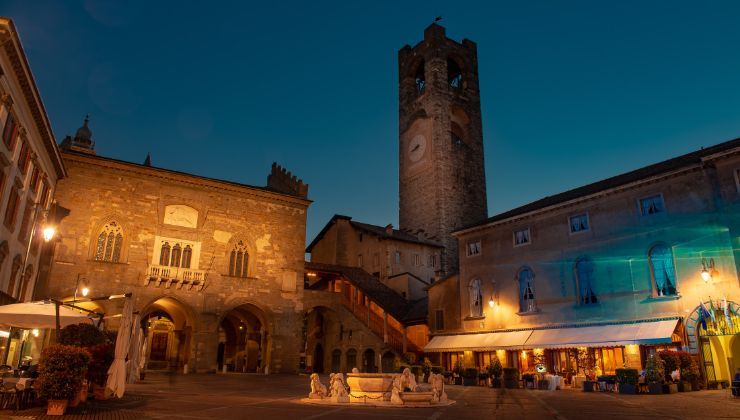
point(661, 262)
point(176, 253)
point(476, 298)
point(584, 272)
point(526, 290)
point(245, 264)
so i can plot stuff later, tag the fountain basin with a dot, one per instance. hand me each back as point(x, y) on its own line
point(416, 397)
point(365, 387)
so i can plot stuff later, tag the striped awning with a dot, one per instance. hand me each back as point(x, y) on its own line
point(605, 335)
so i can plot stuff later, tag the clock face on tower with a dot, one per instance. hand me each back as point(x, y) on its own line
point(417, 146)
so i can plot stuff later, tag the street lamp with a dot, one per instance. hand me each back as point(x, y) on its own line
point(49, 233)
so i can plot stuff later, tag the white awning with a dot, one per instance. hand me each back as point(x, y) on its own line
point(477, 342)
point(647, 332)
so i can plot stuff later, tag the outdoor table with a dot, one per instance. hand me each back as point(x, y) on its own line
point(554, 382)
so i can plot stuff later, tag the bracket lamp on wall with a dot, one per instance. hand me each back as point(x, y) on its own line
point(707, 269)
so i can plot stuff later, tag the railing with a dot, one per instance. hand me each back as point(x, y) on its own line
point(375, 323)
point(177, 276)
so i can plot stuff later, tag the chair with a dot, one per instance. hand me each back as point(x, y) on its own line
point(9, 396)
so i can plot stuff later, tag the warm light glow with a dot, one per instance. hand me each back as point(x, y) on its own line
point(491, 303)
point(706, 275)
point(85, 291)
point(241, 327)
point(35, 332)
point(49, 233)
point(524, 354)
point(311, 274)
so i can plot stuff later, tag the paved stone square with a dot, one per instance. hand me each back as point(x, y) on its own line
point(234, 396)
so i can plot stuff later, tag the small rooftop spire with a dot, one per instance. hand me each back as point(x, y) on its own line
point(148, 160)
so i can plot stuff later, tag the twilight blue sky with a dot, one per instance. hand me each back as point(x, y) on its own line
point(572, 91)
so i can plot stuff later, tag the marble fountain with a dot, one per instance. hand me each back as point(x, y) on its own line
point(378, 389)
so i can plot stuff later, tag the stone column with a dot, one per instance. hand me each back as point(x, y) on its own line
point(385, 326)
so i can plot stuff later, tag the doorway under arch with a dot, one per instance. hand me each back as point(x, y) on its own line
point(243, 340)
point(168, 327)
point(318, 359)
point(368, 361)
point(336, 360)
point(351, 359)
point(387, 361)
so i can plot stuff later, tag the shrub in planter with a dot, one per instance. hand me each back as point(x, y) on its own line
point(437, 369)
point(61, 372)
point(689, 372)
point(511, 378)
point(654, 374)
point(470, 376)
point(496, 370)
point(627, 379)
point(81, 335)
point(102, 357)
point(416, 371)
point(426, 368)
point(457, 372)
point(483, 376)
point(670, 388)
point(671, 362)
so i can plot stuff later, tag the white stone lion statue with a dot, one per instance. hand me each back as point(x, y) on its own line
point(318, 390)
point(438, 388)
point(338, 389)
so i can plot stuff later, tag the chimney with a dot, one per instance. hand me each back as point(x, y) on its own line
point(389, 229)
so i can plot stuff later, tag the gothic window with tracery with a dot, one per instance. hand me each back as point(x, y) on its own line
point(239, 260)
point(176, 254)
point(109, 243)
point(187, 255)
point(164, 254)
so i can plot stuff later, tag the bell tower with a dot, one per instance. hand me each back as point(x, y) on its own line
point(442, 183)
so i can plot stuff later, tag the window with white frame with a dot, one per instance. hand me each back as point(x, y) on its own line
point(652, 205)
point(432, 260)
point(584, 271)
point(417, 260)
point(527, 300)
point(521, 237)
point(663, 270)
point(475, 293)
point(473, 248)
point(579, 223)
point(174, 252)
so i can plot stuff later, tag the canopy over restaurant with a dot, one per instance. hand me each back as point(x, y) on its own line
point(613, 345)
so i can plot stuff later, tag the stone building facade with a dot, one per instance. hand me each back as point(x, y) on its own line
point(215, 267)
point(442, 184)
point(30, 166)
point(619, 266)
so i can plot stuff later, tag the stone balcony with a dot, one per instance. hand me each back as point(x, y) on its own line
point(175, 277)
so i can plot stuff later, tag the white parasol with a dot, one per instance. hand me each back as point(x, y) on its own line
point(117, 371)
point(39, 315)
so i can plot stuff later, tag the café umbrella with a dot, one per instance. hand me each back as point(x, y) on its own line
point(117, 371)
point(39, 315)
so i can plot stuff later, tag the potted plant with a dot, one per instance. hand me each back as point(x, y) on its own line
point(627, 380)
point(671, 366)
point(470, 375)
point(61, 372)
point(689, 372)
point(483, 377)
point(511, 378)
point(97, 372)
point(457, 372)
point(586, 363)
point(654, 374)
point(81, 335)
point(496, 370)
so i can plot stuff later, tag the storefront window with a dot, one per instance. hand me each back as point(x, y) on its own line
point(609, 359)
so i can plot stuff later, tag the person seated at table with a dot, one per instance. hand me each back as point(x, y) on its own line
point(737, 375)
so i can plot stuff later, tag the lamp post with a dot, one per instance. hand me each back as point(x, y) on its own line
point(84, 291)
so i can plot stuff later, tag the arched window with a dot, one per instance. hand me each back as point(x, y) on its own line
point(164, 254)
point(109, 243)
point(176, 254)
point(187, 255)
point(25, 282)
point(584, 270)
point(239, 260)
point(419, 79)
point(454, 74)
point(14, 272)
point(476, 298)
point(527, 302)
point(662, 269)
point(4, 251)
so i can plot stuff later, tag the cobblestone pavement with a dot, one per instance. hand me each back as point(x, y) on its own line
point(232, 396)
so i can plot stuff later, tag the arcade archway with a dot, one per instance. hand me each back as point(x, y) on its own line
point(168, 328)
point(714, 333)
point(243, 340)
